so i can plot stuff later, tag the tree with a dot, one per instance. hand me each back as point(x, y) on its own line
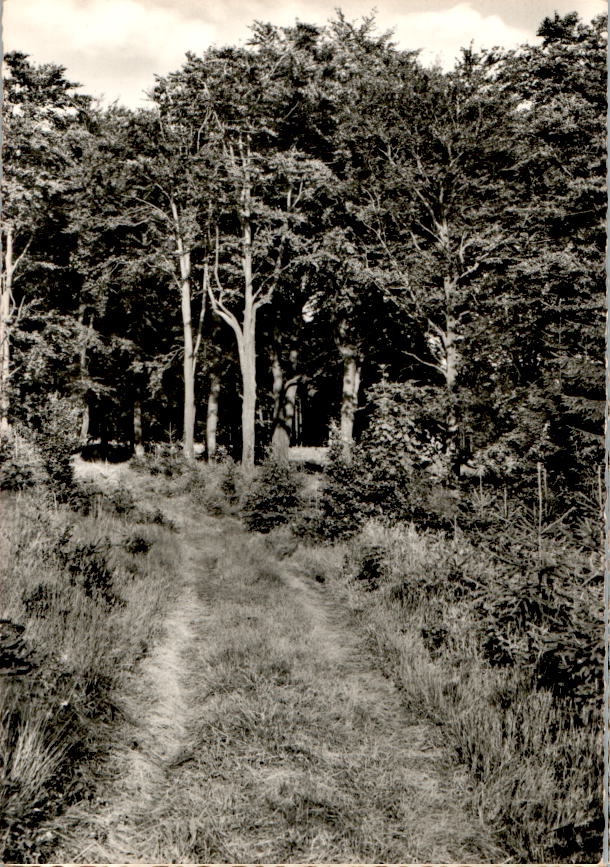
point(560, 177)
point(43, 121)
point(437, 213)
point(364, 68)
point(243, 93)
point(176, 187)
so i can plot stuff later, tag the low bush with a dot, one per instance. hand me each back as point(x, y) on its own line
point(373, 483)
point(137, 544)
point(21, 464)
point(57, 440)
point(87, 499)
point(345, 498)
point(231, 483)
point(166, 460)
point(273, 499)
point(217, 488)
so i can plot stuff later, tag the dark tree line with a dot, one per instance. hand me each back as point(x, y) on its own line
point(310, 229)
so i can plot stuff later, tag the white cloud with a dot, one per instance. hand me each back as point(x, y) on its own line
point(115, 47)
point(124, 41)
point(442, 34)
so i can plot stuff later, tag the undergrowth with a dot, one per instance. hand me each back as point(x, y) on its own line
point(497, 638)
point(83, 594)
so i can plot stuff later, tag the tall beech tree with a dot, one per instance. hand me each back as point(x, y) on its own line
point(127, 316)
point(166, 186)
point(437, 212)
point(361, 66)
point(179, 198)
point(561, 133)
point(243, 95)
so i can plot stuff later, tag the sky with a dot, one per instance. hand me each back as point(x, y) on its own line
point(114, 48)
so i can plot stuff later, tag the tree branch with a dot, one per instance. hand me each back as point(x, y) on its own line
point(154, 207)
point(20, 256)
point(436, 367)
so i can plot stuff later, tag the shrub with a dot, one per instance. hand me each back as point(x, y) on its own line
point(21, 464)
point(86, 564)
point(273, 499)
point(407, 422)
point(209, 491)
point(85, 498)
point(57, 441)
point(376, 483)
point(345, 498)
point(230, 482)
point(137, 544)
point(371, 567)
point(121, 501)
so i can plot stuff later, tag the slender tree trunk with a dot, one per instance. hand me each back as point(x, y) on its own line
point(245, 332)
point(349, 399)
point(451, 371)
point(85, 422)
point(248, 353)
point(84, 375)
point(212, 416)
point(184, 258)
point(248, 406)
point(297, 425)
point(285, 394)
point(138, 443)
point(6, 295)
point(277, 374)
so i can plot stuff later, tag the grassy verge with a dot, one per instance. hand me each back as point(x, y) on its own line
point(82, 599)
point(478, 654)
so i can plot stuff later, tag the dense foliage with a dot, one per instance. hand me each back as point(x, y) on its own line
point(382, 239)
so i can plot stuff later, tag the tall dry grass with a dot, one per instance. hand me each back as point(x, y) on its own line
point(90, 609)
point(443, 618)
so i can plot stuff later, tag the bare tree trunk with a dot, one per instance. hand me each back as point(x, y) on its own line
point(85, 421)
point(212, 416)
point(248, 405)
point(349, 399)
point(184, 258)
point(244, 331)
point(277, 374)
point(285, 394)
point(298, 423)
point(6, 296)
point(84, 374)
point(138, 444)
point(451, 371)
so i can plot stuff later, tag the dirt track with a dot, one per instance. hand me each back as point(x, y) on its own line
point(261, 731)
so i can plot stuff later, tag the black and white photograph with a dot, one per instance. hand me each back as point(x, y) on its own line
point(303, 467)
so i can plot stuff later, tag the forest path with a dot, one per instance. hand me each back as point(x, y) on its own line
point(262, 732)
